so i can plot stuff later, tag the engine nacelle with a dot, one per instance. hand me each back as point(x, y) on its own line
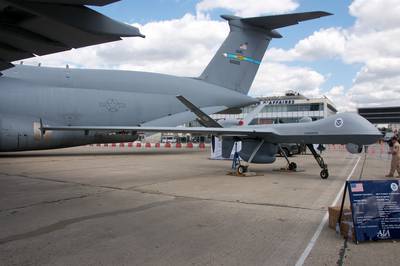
point(228, 122)
point(354, 148)
point(21, 133)
point(265, 154)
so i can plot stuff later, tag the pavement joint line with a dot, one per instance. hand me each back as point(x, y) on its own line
point(342, 253)
point(167, 181)
point(85, 168)
point(135, 189)
point(50, 202)
point(225, 201)
point(324, 220)
point(64, 223)
point(61, 181)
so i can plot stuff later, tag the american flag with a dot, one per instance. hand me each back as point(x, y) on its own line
point(357, 187)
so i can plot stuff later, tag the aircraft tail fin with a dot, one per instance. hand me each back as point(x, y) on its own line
point(236, 63)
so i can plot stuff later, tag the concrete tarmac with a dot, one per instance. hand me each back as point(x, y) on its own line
point(124, 206)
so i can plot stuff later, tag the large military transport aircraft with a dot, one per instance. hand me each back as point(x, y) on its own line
point(78, 97)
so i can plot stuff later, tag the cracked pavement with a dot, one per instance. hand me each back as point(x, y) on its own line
point(93, 206)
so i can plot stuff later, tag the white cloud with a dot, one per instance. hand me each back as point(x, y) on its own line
point(325, 43)
point(276, 79)
point(362, 47)
point(248, 8)
point(371, 41)
point(378, 83)
point(341, 98)
point(181, 46)
point(375, 15)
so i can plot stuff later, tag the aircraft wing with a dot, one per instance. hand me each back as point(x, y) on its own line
point(338, 129)
point(40, 27)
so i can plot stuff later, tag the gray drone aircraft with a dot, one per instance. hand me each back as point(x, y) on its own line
point(260, 143)
point(89, 98)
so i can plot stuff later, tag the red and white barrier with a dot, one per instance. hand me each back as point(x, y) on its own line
point(148, 145)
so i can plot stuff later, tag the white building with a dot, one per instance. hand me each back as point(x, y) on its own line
point(289, 108)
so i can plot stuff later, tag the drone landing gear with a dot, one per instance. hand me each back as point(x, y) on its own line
point(240, 169)
point(291, 166)
point(324, 172)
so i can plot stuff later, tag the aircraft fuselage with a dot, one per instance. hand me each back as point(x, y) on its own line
point(97, 97)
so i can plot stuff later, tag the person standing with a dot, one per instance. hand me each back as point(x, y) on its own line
point(395, 165)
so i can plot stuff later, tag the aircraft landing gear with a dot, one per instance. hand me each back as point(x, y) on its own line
point(241, 169)
point(324, 172)
point(292, 166)
point(238, 169)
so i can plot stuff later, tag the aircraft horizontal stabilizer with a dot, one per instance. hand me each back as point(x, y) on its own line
point(280, 21)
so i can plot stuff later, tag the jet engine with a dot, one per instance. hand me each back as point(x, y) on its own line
point(354, 148)
point(265, 154)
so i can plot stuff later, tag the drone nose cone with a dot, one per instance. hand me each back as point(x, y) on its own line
point(361, 125)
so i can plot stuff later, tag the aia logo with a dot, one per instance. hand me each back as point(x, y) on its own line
point(383, 234)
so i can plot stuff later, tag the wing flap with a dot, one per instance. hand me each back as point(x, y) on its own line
point(9, 53)
point(77, 2)
point(27, 41)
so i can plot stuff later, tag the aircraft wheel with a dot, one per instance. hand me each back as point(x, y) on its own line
point(324, 174)
point(292, 166)
point(241, 169)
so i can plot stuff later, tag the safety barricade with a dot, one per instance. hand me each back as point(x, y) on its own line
point(149, 145)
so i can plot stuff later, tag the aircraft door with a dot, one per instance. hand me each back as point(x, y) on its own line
point(14, 133)
point(22, 141)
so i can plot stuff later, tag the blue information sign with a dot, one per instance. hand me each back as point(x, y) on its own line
point(375, 207)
